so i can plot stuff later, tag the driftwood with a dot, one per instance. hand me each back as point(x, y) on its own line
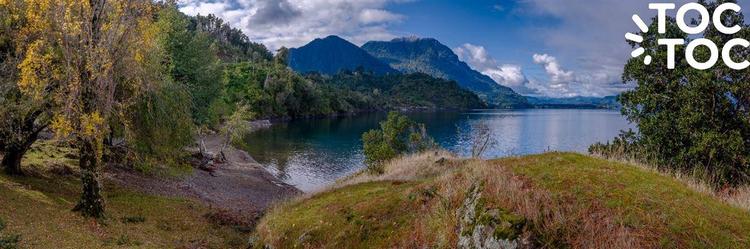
point(207, 162)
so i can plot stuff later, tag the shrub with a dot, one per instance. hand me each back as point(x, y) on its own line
point(8, 241)
point(397, 135)
point(623, 147)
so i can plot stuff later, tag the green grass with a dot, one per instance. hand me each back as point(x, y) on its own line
point(38, 208)
point(570, 200)
point(675, 215)
point(369, 215)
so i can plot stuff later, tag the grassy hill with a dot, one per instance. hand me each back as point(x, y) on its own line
point(551, 200)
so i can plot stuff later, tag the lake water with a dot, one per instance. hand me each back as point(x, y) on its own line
point(311, 154)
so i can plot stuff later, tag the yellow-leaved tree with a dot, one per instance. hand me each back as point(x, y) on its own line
point(88, 57)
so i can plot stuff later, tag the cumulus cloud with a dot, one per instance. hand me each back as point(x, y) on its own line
point(278, 23)
point(552, 67)
point(504, 74)
point(557, 81)
point(563, 83)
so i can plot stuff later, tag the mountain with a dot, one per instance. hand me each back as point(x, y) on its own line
point(333, 54)
point(609, 102)
point(426, 55)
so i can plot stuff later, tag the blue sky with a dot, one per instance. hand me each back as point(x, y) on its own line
point(556, 48)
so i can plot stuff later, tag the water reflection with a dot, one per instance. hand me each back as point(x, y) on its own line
point(313, 153)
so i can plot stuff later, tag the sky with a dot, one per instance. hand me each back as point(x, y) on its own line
point(555, 48)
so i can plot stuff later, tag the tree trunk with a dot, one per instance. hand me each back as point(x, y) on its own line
point(92, 202)
point(14, 152)
point(12, 160)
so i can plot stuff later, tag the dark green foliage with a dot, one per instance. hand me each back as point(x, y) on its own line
point(625, 146)
point(193, 62)
point(233, 45)
point(397, 135)
point(272, 90)
point(282, 56)
point(425, 91)
point(609, 102)
point(8, 241)
point(133, 219)
point(397, 91)
point(163, 123)
point(690, 120)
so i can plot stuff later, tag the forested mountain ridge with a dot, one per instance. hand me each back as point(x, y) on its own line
point(333, 54)
point(427, 55)
point(399, 91)
point(608, 102)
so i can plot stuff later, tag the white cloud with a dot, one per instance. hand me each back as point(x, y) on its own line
point(556, 73)
point(369, 16)
point(563, 83)
point(506, 74)
point(293, 23)
point(511, 75)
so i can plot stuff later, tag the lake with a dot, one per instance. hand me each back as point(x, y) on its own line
point(311, 154)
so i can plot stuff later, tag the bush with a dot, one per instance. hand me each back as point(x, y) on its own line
point(8, 241)
point(397, 135)
point(623, 147)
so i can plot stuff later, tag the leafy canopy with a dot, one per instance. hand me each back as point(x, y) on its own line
point(689, 120)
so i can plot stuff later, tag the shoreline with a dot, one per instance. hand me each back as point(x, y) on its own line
point(241, 186)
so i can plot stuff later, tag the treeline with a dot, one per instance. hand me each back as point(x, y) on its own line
point(397, 91)
point(135, 82)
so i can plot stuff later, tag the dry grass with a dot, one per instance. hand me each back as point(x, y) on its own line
point(557, 222)
point(408, 168)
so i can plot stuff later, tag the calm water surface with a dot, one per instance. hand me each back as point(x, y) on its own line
point(311, 154)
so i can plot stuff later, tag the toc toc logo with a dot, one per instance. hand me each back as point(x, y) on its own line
point(705, 19)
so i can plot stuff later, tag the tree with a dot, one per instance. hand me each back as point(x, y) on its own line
point(87, 56)
point(192, 60)
point(21, 118)
point(235, 127)
point(482, 138)
point(689, 120)
point(397, 135)
point(282, 56)
point(234, 46)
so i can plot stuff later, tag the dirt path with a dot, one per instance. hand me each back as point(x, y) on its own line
point(240, 185)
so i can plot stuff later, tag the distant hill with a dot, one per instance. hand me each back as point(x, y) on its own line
point(609, 102)
point(333, 54)
point(417, 55)
point(416, 91)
